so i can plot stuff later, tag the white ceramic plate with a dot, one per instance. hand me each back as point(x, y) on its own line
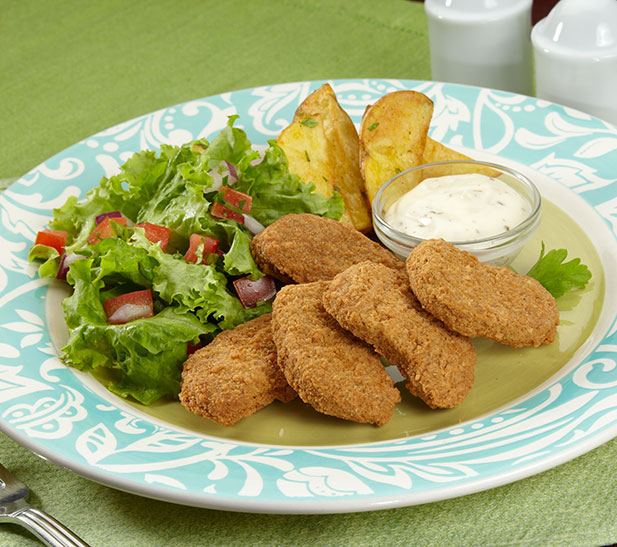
point(69, 419)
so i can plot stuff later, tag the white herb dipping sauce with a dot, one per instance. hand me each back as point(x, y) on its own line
point(458, 208)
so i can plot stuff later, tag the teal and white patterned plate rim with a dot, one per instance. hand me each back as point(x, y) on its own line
point(48, 408)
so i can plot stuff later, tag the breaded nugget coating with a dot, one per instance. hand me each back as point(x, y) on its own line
point(235, 375)
point(303, 248)
point(376, 304)
point(331, 370)
point(476, 299)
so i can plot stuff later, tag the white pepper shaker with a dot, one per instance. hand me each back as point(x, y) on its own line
point(575, 50)
point(481, 42)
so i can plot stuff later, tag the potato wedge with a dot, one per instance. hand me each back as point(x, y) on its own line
point(435, 151)
point(322, 147)
point(393, 135)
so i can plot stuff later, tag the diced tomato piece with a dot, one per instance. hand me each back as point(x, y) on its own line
point(232, 197)
point(220, 211)
point(105, 230)
point(237, 199)
point(250, 292)
point(127, 307)
point(52, 238)
point(156, 233)
point(210, 245)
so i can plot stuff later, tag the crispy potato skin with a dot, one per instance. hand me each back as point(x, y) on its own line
point(393, 136)
point(304, 248)
point(376, 304)
point(476, 299)
point(235, 375)
point(322, 147)
point(334, 372)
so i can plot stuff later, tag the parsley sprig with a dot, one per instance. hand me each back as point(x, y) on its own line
point(310, 122)
point(555, 275)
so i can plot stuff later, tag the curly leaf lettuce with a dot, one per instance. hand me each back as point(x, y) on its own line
point(198, 288)
point(175, 188)
point(145, 355)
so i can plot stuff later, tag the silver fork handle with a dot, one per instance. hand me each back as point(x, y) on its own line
point(45, 527)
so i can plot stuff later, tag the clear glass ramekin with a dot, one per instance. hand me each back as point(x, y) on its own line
point(498, 250)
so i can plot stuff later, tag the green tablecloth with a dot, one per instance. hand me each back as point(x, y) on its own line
point(70, 68)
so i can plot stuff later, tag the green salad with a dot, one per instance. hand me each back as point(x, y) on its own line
point(158, 256)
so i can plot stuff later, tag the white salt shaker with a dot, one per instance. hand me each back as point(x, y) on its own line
point(481, 42)
point(575, 50)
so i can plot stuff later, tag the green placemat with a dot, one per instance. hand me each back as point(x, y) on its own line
point(71, 68)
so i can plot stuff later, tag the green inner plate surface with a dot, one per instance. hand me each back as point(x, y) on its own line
point(502, 375)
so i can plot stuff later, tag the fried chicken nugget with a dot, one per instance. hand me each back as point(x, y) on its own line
point(476, 299)
point(376, 304)
point(331, 370)
point(303, 248)
point(235, 375)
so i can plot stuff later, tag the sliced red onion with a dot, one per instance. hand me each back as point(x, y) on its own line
point(129, 312)
point(233, 174)
point(253, 224)
point(65, 263)
point(261, 149)
point(250, 292)
point(111, 214)
point(217, 179)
